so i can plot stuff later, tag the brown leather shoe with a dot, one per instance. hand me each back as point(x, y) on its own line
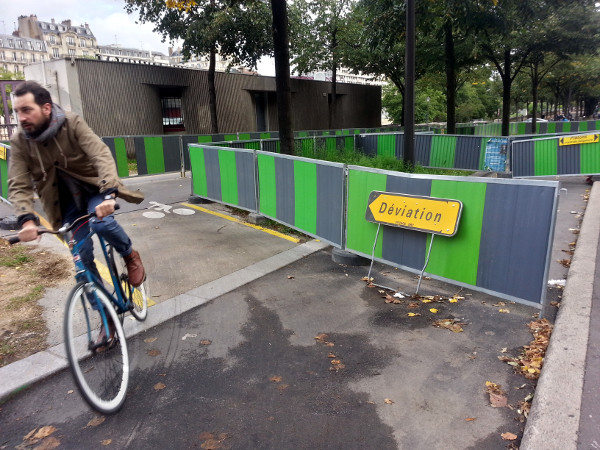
point(104, 341)
point(135, 269)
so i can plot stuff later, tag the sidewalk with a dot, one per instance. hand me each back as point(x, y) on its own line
point(566, 409)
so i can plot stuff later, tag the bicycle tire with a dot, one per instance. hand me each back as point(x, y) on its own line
point(137, 295)
point(102, 377)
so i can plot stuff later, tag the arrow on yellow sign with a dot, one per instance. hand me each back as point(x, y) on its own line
point(428, 214)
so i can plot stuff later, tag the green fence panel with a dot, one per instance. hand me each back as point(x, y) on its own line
point(121, 157)
point(198, 169)
point(386, 145)
point(244, 136)
point(155, 162)
point(267, 186)
point(464, 246)
point(443, 151)
point(583, 126)
point(349, 144)
point(360, 234)
point(305, 196)
point(566, 127)
point(265, 135)
point(545, 157)
point(229, 181)
point(4, 155)
point(590, 158)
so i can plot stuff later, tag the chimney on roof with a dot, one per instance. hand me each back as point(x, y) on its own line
point(52, 21)
point(66, 22)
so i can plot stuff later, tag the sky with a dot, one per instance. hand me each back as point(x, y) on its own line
point(107, 19)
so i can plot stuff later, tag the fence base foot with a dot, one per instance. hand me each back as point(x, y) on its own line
point(257, 219)
point(9, 223)
point(195, 200)
point(350, 259)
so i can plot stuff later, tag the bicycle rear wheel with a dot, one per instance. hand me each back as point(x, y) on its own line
point(102, 377)
point(138, 296)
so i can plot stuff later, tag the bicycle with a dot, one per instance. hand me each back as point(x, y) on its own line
point(100, 367)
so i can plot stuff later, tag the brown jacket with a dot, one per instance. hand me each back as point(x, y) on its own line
point(77, 151)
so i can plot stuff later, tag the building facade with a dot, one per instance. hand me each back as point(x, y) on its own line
point(119, 99)
point(62, 39)
point(16, 52)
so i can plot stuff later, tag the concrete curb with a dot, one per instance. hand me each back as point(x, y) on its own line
point(555, 412)
point(21, 374)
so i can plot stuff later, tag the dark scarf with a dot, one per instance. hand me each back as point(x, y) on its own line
point(57, 119)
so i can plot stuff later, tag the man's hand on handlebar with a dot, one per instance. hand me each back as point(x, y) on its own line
point(29, 232)
point(106, 208)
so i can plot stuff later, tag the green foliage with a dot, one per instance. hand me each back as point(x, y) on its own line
point(14, 256)
point(8, 75)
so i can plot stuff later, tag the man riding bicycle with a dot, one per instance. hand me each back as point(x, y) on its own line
point(57, 155)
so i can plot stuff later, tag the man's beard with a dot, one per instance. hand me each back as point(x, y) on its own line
point(39, 129)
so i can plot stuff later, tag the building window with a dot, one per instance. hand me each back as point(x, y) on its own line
point(20, 44)
point(11, 43)
point(44, 26)
point(86, 54)
point(71, 52)
point(82, 42)
point(2, 55)
point(172, 114)
point(52, 39)
point(23, 57)
point(1, 43)
point(70, 40)
point(14, 56)
point(33, 57)
point(39, 46)
point(29, 46)
point(55, 52)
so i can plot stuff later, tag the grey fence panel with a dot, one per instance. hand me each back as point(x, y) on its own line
point(522, 158)
point(185, 141)
point(246, 177)
point(172, 153)
point(591, 125)
point(284, 177)
point(400, 146)
point(514, 250)
point(528, 127)
point(213, 173)
point(468, 152)
point(543, 127)
point(330, 188)
point(270, 145)
point(412, 243)
point(574, 126)
point(568, 159)
point(367, 144)
point(423, 149)
point(140, 154)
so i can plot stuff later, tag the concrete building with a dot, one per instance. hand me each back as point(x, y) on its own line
point(62, 39)
point(16, 52)
point(118, 99)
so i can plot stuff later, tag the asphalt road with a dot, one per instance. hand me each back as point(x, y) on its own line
point(245, 370)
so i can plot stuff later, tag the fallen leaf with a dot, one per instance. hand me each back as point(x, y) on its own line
point(336, 362)
point(188, 335)
point(388, 401)
point(449, 324)
point(414, 305)
point(150, 340)
point(504, 350)
point(498, 400)
point(206, 435)
point(205, 342)
point(96, 421)
point(36, 434)
point(330, 355)
point(426, 300)
point(470, 419)
point(153, 352)
point(433, 310)
point(290, 277)
point(499, 304)
point(381, 291)
point(367, 279)
point(282, 387)
point(159, 386)
point(321, 337)
point(70, 391)
point(508, 436)
point(276, 379)
point(506, 311)
point(106, 441)
point(330, 344)
point(413, 314)
point(453, 300)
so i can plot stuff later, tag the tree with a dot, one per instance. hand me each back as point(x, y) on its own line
point(232, 28)
point(320, 37)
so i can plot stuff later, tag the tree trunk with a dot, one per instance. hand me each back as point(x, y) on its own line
point(534, 95)
point(450, 79)
point(282, 75)
point(212, 93)
point(333, 104)
point(506, 82)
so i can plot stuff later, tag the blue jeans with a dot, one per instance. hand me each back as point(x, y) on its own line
point(108, 228)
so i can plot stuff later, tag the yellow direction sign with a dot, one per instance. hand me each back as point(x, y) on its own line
point(429, 214)
point(579, 139)
point(2, 152)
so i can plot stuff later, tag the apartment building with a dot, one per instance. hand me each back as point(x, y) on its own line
point(16, 52)
point(62, 39)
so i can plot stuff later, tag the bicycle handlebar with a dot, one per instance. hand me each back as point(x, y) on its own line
point(15, 239)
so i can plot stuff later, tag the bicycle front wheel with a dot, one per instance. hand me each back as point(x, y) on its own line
point(101, 372)
point(137, 296)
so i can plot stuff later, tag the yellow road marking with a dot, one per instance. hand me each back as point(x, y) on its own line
point(102, 269)
point(233, 219)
